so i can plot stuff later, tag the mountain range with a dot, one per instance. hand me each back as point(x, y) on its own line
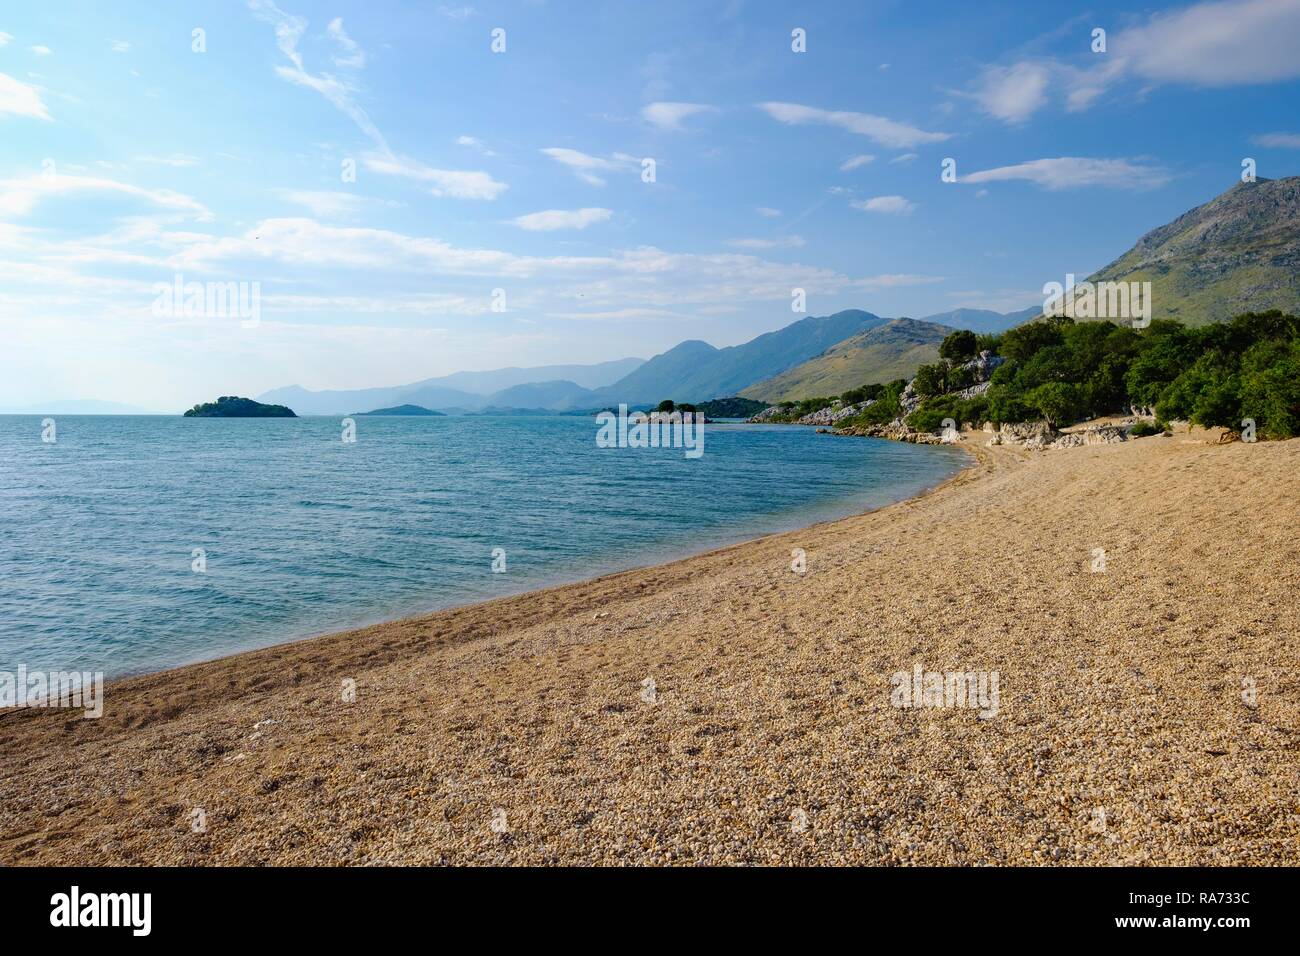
point(460, 391)
point(893, 350)
point(1239, 251)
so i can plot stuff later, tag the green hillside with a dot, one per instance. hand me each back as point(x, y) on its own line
point(1239, 252)
point(893, 350)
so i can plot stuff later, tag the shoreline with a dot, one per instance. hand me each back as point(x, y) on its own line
point(974, 461)
point(768, 693)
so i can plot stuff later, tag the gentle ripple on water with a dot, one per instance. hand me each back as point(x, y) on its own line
point(306, 534)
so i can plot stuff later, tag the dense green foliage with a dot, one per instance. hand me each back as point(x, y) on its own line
point(230, 406)
point(1063, 371)
point(1215, 375)
point(732, 407)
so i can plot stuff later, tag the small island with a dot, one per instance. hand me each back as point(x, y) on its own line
point(230, 406)
point(403, 410)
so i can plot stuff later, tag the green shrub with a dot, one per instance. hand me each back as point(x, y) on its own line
point(959, 347)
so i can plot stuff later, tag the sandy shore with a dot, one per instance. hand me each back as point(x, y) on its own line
point(1149, 713)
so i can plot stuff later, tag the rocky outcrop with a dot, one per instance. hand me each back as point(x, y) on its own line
point(1040, 436)
point(832, 414)
point(771, 413)
point(984, 365)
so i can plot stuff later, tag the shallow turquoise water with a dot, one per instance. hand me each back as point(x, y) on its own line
point(305, 534)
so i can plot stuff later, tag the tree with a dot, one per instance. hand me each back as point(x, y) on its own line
point(931, 380)
point(1058, 402)
point(958, 347)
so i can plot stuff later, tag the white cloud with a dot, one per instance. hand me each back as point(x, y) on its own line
point(288, 31)
point(783, 242)
point(586, 167)
point(904, 158)
point(893, 205)
point(768, 212)
point(119, 46)
point(352, 57)
point(456, 183)
point(1216, 44)
point(1012, 93)
point(853, 162)
point(552, 219)
point(670, 115)
point(1277, 140)
point(1068, 172)
point(896, 280)
point(41, 50)
point(19, 196)
point(885, 131)
point(474, 143)
point(19, 99)
point(329, 204)
point(1222, 43)
point(457, 13)
point(5, 38)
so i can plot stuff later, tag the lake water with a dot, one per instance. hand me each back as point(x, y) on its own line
point(303, 533)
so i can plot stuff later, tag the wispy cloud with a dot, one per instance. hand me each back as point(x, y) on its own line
point(853, 162)
point(288, 31)
point(895, 280)
point(768, 212)
point(351, 56)
point(1070, 172)
point(781, 242)
point(119, 46)
point(670, 115)
point(587, 167)
point(474, 143)
point(885, 131)
point(175, 159)
point(456, 183)
point(330, 204)
point(1011, 93)
point(5, 38)
point(457, 13)
point(893, 205)
point(552, 219)
point(1277, 140)
point(41, 50)
point(1222, 43)
point(19, 99)
point(19, 196)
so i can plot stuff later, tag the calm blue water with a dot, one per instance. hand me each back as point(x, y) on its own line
point(306, 534)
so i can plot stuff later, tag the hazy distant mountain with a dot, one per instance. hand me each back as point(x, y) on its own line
point(695, 371)
point(557, 396)
point(984, 321)
point(413, 411)
point(467, 391)
point(1239, 252)
point(346, 401)
point(586, 376)
point(889, 351)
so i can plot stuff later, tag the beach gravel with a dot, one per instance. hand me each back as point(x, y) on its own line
point(727, 709)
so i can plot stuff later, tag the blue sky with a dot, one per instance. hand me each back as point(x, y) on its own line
point(127, 158)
